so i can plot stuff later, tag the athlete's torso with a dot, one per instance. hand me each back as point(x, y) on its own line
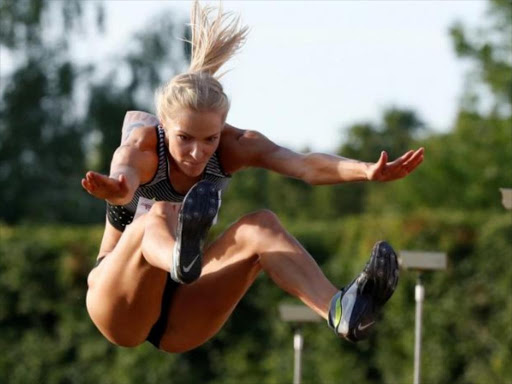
point(160, 187)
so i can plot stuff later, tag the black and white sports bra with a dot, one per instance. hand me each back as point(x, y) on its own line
point(160, 187)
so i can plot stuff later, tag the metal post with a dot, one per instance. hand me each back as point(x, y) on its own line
point(419, 296)
point(298, 343)
point(298, 315)
point(421, 261)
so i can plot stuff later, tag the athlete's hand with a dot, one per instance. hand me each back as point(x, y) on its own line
point(383, 170)
point(114, 191)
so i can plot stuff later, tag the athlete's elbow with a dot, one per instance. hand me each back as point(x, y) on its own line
point(314, 180)
point(309, 170)
point(309, 177)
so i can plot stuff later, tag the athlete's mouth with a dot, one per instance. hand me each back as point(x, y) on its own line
point(192, 164)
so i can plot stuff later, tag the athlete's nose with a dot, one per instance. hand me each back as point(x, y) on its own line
point(196, 152)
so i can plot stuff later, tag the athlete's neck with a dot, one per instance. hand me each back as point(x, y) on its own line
point(179, 180)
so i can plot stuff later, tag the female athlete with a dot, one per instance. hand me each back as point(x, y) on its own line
point(154, 279)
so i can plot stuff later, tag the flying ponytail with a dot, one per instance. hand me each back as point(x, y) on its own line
point(214, 41)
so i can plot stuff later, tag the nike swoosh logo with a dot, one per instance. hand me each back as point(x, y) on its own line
point(361, 327)
point(186, 269)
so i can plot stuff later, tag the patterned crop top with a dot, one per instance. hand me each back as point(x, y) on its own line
point(160, 188)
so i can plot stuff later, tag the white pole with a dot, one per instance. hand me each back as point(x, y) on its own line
point(298, 343)
point(419, 296)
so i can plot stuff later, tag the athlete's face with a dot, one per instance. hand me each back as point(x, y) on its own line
point(193, 138)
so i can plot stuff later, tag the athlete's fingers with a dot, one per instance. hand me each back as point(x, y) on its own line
point(407, 163)
point(402, 159)
point(396, 171)
point(122, 180)
point(92, 179)
point(407, 155)
point(415, 160)
point(121, 184)
point(415, 154)
point(102, 181)
point(381, 163)
point(94, 184)
point(88, 186)
point(376, 171)
point(103, 186)
point(87, 180)
point(402, 166)
point(85, 184)
point(411, 167)
point(90, 175)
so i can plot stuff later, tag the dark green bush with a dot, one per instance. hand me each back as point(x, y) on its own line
point(47, 336)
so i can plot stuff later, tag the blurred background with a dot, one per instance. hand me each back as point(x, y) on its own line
point(351, 78)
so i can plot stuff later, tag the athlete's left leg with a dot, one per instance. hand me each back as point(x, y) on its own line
point(256, 242)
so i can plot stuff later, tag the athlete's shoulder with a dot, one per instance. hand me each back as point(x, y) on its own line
point(142, 138)
point(235, 139)
point(139, 151)
point(241, 148)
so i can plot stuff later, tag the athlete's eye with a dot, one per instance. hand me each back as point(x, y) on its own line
point(183, 138)
point(212, 139)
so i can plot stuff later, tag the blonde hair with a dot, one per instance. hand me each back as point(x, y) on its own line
point(214, 42)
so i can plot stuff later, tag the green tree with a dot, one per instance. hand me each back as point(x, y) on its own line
point(489, 48)
point(465, 168)
point(466, 319)
point(39, 123)
point(46, 144)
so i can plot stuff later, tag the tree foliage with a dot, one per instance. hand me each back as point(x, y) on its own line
point(490, 49)
point(46, 142)
point(467, 338)
point(38, 119)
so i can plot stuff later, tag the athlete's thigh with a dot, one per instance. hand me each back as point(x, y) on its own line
point(125, 292)
point(199, 310)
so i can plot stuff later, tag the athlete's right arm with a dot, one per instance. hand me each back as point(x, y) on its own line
point(133, 163)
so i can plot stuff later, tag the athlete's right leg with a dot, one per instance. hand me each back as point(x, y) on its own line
point(125, 289)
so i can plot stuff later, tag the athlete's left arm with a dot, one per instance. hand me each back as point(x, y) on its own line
point(319, 168)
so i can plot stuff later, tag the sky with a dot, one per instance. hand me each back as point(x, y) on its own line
point(310, 69)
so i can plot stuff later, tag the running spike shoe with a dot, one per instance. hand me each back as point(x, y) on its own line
point(354, 309)
point(196, 216)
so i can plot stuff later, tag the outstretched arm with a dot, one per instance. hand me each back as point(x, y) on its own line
point(133, 163)
point(255, 150)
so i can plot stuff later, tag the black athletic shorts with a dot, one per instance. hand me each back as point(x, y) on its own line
point(158, 329)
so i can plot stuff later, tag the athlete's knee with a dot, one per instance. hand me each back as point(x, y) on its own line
point(160, 211)
point(260, 225)
point(125, 339)
point(91, 278)
point(263, 217)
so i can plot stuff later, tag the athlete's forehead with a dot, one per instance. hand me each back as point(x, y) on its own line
point(200, 124)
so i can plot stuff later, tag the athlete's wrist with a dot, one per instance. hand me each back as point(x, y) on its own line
point(366, 168)
point(119, 200)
